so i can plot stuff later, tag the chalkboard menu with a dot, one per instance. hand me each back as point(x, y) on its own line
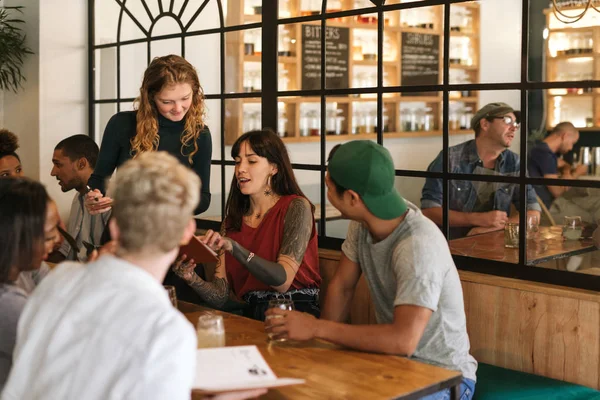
point(420, 59)
point(337, 43)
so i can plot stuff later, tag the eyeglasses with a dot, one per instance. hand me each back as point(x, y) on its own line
point(508, 120)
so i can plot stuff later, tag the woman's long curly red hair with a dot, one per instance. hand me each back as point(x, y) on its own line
point(162, 72)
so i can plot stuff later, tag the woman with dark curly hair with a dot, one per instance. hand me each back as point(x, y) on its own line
point(169, 116)
point(10, 163)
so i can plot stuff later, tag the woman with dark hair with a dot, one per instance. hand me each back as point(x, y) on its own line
point(27, 235)
point(10, 163)
point(268, 239)
point(169, 116)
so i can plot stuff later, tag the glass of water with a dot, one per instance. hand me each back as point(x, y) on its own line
point(572, 228)
point(511, 235)
point(210, 331)
point(282, 304)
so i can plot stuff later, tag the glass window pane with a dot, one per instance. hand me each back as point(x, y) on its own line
point(103, 113)
point(412, 46)
point(133, 65)
point(213, 121)
point(197, 48)
point(164, 47)
point(297, 8)
point(241, 115)
point(105, 73)
point(243, 55)
point(240, 12)
point(107, 12)
point(289, 50)
point(208, 18)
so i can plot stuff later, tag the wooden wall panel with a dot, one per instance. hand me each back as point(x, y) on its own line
point(533, 332)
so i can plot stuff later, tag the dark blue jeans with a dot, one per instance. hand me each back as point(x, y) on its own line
point(465, 392)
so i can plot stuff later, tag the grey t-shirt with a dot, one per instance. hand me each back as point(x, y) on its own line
point(28, 280)
point(12, 302)
point(413, 266)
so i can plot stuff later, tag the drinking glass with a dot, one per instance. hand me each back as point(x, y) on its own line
point(511, 235)
point(210, 331)
point(172, 294)
point(533, 223)
point(282, 304)
point(572, 228)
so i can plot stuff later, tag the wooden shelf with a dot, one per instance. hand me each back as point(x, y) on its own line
point(423, 30)
point(463, 34)
point(371, 136)
point(252, 18)
point(572, 56)
point(465, 67)
point(464, 99)
point(374, 63)
point(572, 95)
point(570, 30)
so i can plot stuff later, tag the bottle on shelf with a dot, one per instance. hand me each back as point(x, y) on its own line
point(428, 120)
point(315, 123)
point(304, 123)
point(281, 122)
point(283, 83)
point(310, 7)
point(284, 46)
point(365, 18)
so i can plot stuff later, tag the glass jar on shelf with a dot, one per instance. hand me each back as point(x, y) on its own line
point(256, 81)
point(314, 123)
point(386, 121)
point(333, 121)
point(454, 119)
point(283, 83)
point(247, 81)
point(359, 122)
point(281, 123)
point(285, 10)
point(365, 18)
point(428, 120)
point(304, 123)
point(284, 46)
point(389, 50)
point(370, 120)
point(310, 7)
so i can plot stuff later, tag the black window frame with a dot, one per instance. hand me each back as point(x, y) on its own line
point(270, 94)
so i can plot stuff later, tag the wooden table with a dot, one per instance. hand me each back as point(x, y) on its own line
point(330, 371)
point(548, 245)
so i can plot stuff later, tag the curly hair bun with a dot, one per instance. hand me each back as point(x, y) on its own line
point(9, 142)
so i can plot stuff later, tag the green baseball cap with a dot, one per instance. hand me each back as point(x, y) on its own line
point(498, 109)
point(368, 169)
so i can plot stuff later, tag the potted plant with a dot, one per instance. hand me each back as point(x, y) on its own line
point(12, 49)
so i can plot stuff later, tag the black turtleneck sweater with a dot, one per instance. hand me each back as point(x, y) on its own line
point(116, 149)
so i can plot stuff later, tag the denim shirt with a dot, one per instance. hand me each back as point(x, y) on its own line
point(463, 193)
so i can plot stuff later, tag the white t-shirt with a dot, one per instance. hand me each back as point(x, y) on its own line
point(413, 266)
point(106, 330)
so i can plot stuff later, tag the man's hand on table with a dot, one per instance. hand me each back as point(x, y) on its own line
point(292, 325)
point(491, 219)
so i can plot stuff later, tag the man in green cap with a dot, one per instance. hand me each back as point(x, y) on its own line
point(479, 207)
point(407, 264)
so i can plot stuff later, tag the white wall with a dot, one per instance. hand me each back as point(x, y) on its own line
point(53, 103)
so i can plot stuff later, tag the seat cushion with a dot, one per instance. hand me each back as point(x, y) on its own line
point(495, 383)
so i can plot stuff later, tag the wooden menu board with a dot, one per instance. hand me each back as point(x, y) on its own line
point(337, 44)
point(420, 59)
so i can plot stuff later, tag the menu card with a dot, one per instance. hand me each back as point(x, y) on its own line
point(233, 368)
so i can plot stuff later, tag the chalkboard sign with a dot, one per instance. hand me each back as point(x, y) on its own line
point(337, 43)
point(420, 59)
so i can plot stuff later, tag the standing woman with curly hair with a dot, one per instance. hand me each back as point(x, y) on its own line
point(10, 163)
point(169, 116)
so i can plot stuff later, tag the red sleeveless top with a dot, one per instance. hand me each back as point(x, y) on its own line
point(265, 241)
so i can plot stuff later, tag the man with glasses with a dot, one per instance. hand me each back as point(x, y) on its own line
point(479, 207)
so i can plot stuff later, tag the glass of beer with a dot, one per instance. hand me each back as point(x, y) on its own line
point(210, 331)
point(572, 228)
point(282, 304)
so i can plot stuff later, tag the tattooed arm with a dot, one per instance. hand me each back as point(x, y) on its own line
point(214, 293)
point(297, 229)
